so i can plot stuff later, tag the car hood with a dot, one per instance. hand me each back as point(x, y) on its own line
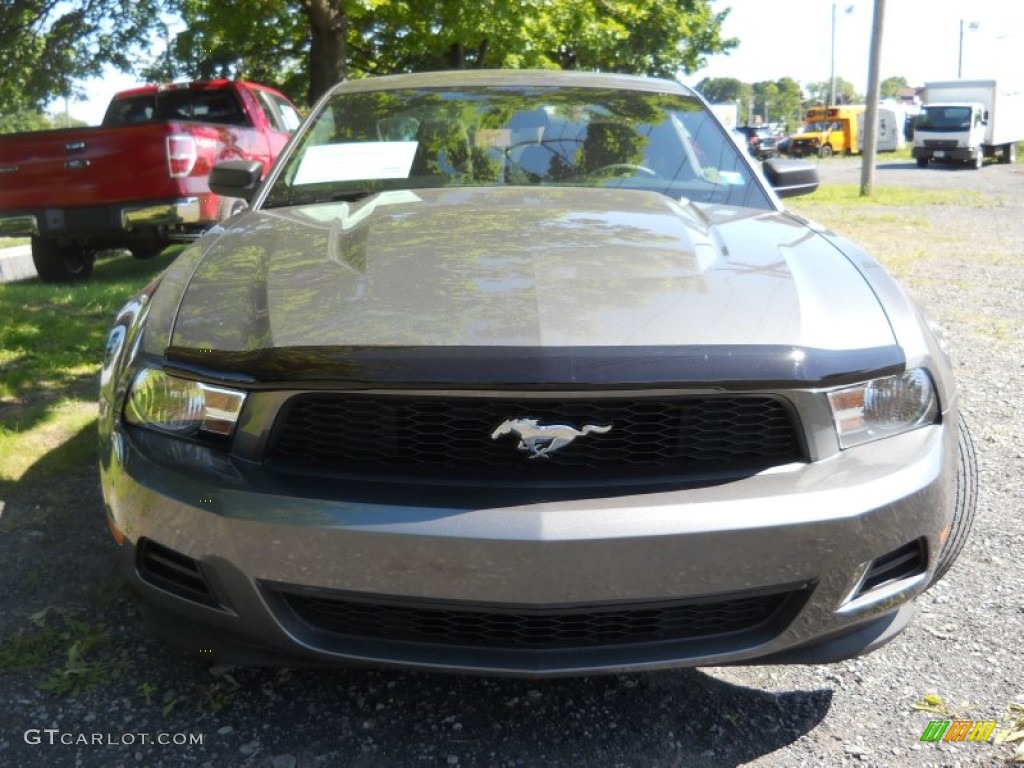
point(489, 269)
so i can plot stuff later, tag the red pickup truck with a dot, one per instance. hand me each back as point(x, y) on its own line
point(139, 180)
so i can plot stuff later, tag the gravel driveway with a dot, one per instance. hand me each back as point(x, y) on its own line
point(114, 693)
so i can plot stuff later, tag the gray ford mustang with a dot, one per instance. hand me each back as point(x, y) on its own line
point(528, 373)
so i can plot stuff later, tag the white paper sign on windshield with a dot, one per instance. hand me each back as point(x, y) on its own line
point(358, 161)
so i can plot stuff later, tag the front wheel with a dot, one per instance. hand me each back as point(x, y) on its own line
point(826, 151)
point(922, 162)
point(966, 502)
point(1009, 153)
point(56, 263)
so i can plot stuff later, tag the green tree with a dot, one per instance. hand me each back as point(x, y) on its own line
point(820, 93)
point(788, 107)
point(308, 45)
point(262, 40)
point(726, 90)
point(18, 122)
point(891, 87)
point(766, 98)
point(47, 46)
point(778, 101)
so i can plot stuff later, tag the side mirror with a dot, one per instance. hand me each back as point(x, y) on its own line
point(236, 178)
point(791, 178)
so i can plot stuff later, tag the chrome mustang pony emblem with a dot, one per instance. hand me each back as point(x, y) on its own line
point(541, 440)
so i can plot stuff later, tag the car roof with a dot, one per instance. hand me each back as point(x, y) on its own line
point(505, 77)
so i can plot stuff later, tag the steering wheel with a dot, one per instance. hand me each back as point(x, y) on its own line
point(622, 167)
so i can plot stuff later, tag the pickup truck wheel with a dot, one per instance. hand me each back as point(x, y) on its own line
point(826, 151)
point(1009, 153)
point(966, 501)
point(57, 263)
point(922, 162)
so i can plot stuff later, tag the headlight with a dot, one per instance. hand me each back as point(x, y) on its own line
point(883, 407)
point(180, 406)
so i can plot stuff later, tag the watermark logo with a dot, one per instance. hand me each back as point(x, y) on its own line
point(959, 730)
point(54, 736)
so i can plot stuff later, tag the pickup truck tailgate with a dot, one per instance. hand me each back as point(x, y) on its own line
point(81, 167)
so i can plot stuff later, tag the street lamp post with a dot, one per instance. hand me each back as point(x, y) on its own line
point(960, 55)
point(832, 75)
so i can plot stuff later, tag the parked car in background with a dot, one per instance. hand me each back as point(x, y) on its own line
point(139, 180)
point(527, 373)
point(760, 141)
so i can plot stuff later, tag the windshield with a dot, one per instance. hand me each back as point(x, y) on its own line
point(944, 119)
point(365, 142)
point(817, 127)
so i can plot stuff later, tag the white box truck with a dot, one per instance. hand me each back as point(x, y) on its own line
point(968, 120)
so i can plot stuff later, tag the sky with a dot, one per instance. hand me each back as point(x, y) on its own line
point(792, 38)
point(920, 40)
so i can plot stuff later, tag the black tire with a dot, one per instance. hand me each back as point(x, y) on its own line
point(922, 162)
point(57, 263)
point(966, 504)
point(1009, 153)
point(826, 151)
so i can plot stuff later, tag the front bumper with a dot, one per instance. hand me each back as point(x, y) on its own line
point(803, 147)
point(266, 561)
point(808, 532)
point(956, 154)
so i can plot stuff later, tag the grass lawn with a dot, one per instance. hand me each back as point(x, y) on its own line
point(51, 346)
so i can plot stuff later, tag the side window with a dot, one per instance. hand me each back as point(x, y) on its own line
point(289, 115)
point(280, 114)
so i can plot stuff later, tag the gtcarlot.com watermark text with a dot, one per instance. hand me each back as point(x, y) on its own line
point(55, 737)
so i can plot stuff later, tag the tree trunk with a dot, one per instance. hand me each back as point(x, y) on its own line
point(328, 49)
point(455, 57)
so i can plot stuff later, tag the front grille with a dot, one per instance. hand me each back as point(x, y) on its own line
point(940, 143)
point(538, 629)
point(452, 437)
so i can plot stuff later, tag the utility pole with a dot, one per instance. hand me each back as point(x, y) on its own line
point(870, 148)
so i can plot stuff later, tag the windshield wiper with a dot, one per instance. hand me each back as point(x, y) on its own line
point(349, 196)
point(311, 198)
